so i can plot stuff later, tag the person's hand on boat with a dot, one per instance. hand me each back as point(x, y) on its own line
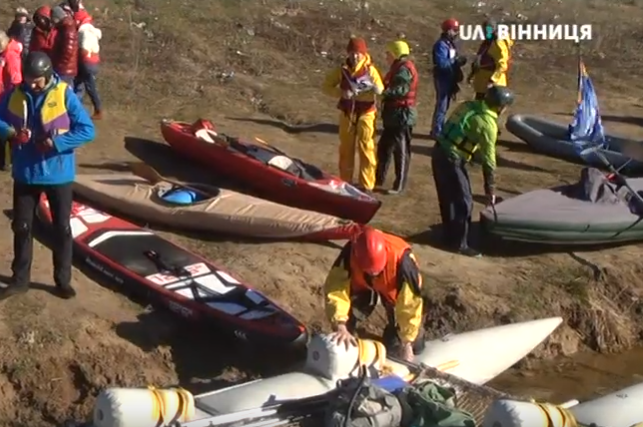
point(407, 352)
point(343, 337)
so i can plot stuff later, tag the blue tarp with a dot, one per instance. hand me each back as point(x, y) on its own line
point(586, 129)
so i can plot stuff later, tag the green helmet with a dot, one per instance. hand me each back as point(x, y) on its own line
point(499, 96)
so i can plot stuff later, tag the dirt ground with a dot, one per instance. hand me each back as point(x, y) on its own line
point(255, 70)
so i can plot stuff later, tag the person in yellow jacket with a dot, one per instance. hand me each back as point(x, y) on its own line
point(376, 266)
point(492, 61)
point(356, 83)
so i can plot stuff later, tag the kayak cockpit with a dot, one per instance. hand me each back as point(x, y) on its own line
point(179, 195)
point(267, 155)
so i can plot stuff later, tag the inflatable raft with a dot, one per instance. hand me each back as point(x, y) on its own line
point(224, 211)
point(269, 171)
point(552, 139)
point(619, 409)
point(476, 356)
point(592, 211)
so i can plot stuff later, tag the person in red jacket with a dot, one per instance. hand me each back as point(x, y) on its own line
point(10, 62)
point(43, 35)
point(64, 55)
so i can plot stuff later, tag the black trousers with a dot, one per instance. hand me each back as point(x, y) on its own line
point(454, 196)
point(362, 306)
point(394, 143)
point(25, 203)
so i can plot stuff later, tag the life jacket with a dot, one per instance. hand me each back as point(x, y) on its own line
point(386, 284)
point(409, 99)
point(54, 119)
point(348, 82)
point(454, 130)
point(486, 61)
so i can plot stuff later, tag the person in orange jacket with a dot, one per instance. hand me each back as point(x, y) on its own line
point(356, 83)
point(492, 61)
point(376, 266)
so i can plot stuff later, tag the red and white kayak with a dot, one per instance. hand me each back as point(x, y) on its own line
point(269, 171)
point(145, 263)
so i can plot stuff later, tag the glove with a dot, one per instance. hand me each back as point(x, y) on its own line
point(20, 137)
point(348, 94)
point(45, 145)
point(461, 61)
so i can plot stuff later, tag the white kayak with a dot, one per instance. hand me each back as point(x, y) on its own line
point(619, 409)
point(477, 357)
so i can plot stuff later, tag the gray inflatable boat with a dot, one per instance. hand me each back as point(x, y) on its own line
point(592, 211)
point(551, 138)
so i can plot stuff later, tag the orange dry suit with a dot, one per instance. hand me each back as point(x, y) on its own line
point(399, 287)
point(357, 118)
point(492, 64)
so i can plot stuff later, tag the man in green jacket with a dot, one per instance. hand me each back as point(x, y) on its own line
point(398, 116)
point(472, 126)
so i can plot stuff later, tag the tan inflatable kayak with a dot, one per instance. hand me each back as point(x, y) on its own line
point(226, 211)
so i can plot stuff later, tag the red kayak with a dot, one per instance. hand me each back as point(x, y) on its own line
point(186, 283)
point(269, 171)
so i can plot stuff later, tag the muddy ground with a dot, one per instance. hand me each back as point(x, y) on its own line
point(256, 71)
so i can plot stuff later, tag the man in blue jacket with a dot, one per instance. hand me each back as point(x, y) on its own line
point(447, 73)
point(44, 121)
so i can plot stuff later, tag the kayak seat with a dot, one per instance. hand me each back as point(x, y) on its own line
point(282, 162)
point(206, 135)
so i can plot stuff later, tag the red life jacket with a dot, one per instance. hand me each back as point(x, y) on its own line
point(409, 99)
point(349, 106)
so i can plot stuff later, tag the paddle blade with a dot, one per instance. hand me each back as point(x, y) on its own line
point(146, 172)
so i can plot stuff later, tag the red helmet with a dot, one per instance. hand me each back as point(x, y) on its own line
point(450, 24)
point(369, 250)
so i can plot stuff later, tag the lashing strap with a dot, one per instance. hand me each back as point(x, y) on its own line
point(566, 416)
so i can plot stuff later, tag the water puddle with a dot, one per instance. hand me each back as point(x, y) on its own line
point(579, 377)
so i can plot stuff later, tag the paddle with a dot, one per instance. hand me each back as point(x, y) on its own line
point(272, 147)
point(596, 151)
point(152, 176)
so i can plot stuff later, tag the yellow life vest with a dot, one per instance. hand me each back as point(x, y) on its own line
point(53, 112)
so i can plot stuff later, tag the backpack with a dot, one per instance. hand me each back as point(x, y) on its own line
point(368, 404)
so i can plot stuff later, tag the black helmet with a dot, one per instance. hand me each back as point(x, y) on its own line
point(499, 96)
point(37, 64)
point(490, 22)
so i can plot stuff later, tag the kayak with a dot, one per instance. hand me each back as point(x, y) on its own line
point(225, 211)
point(591, 211)
point(619, 409)
point(551, 138)
point(141, 261)
point(269, 171)
point(476, 356)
